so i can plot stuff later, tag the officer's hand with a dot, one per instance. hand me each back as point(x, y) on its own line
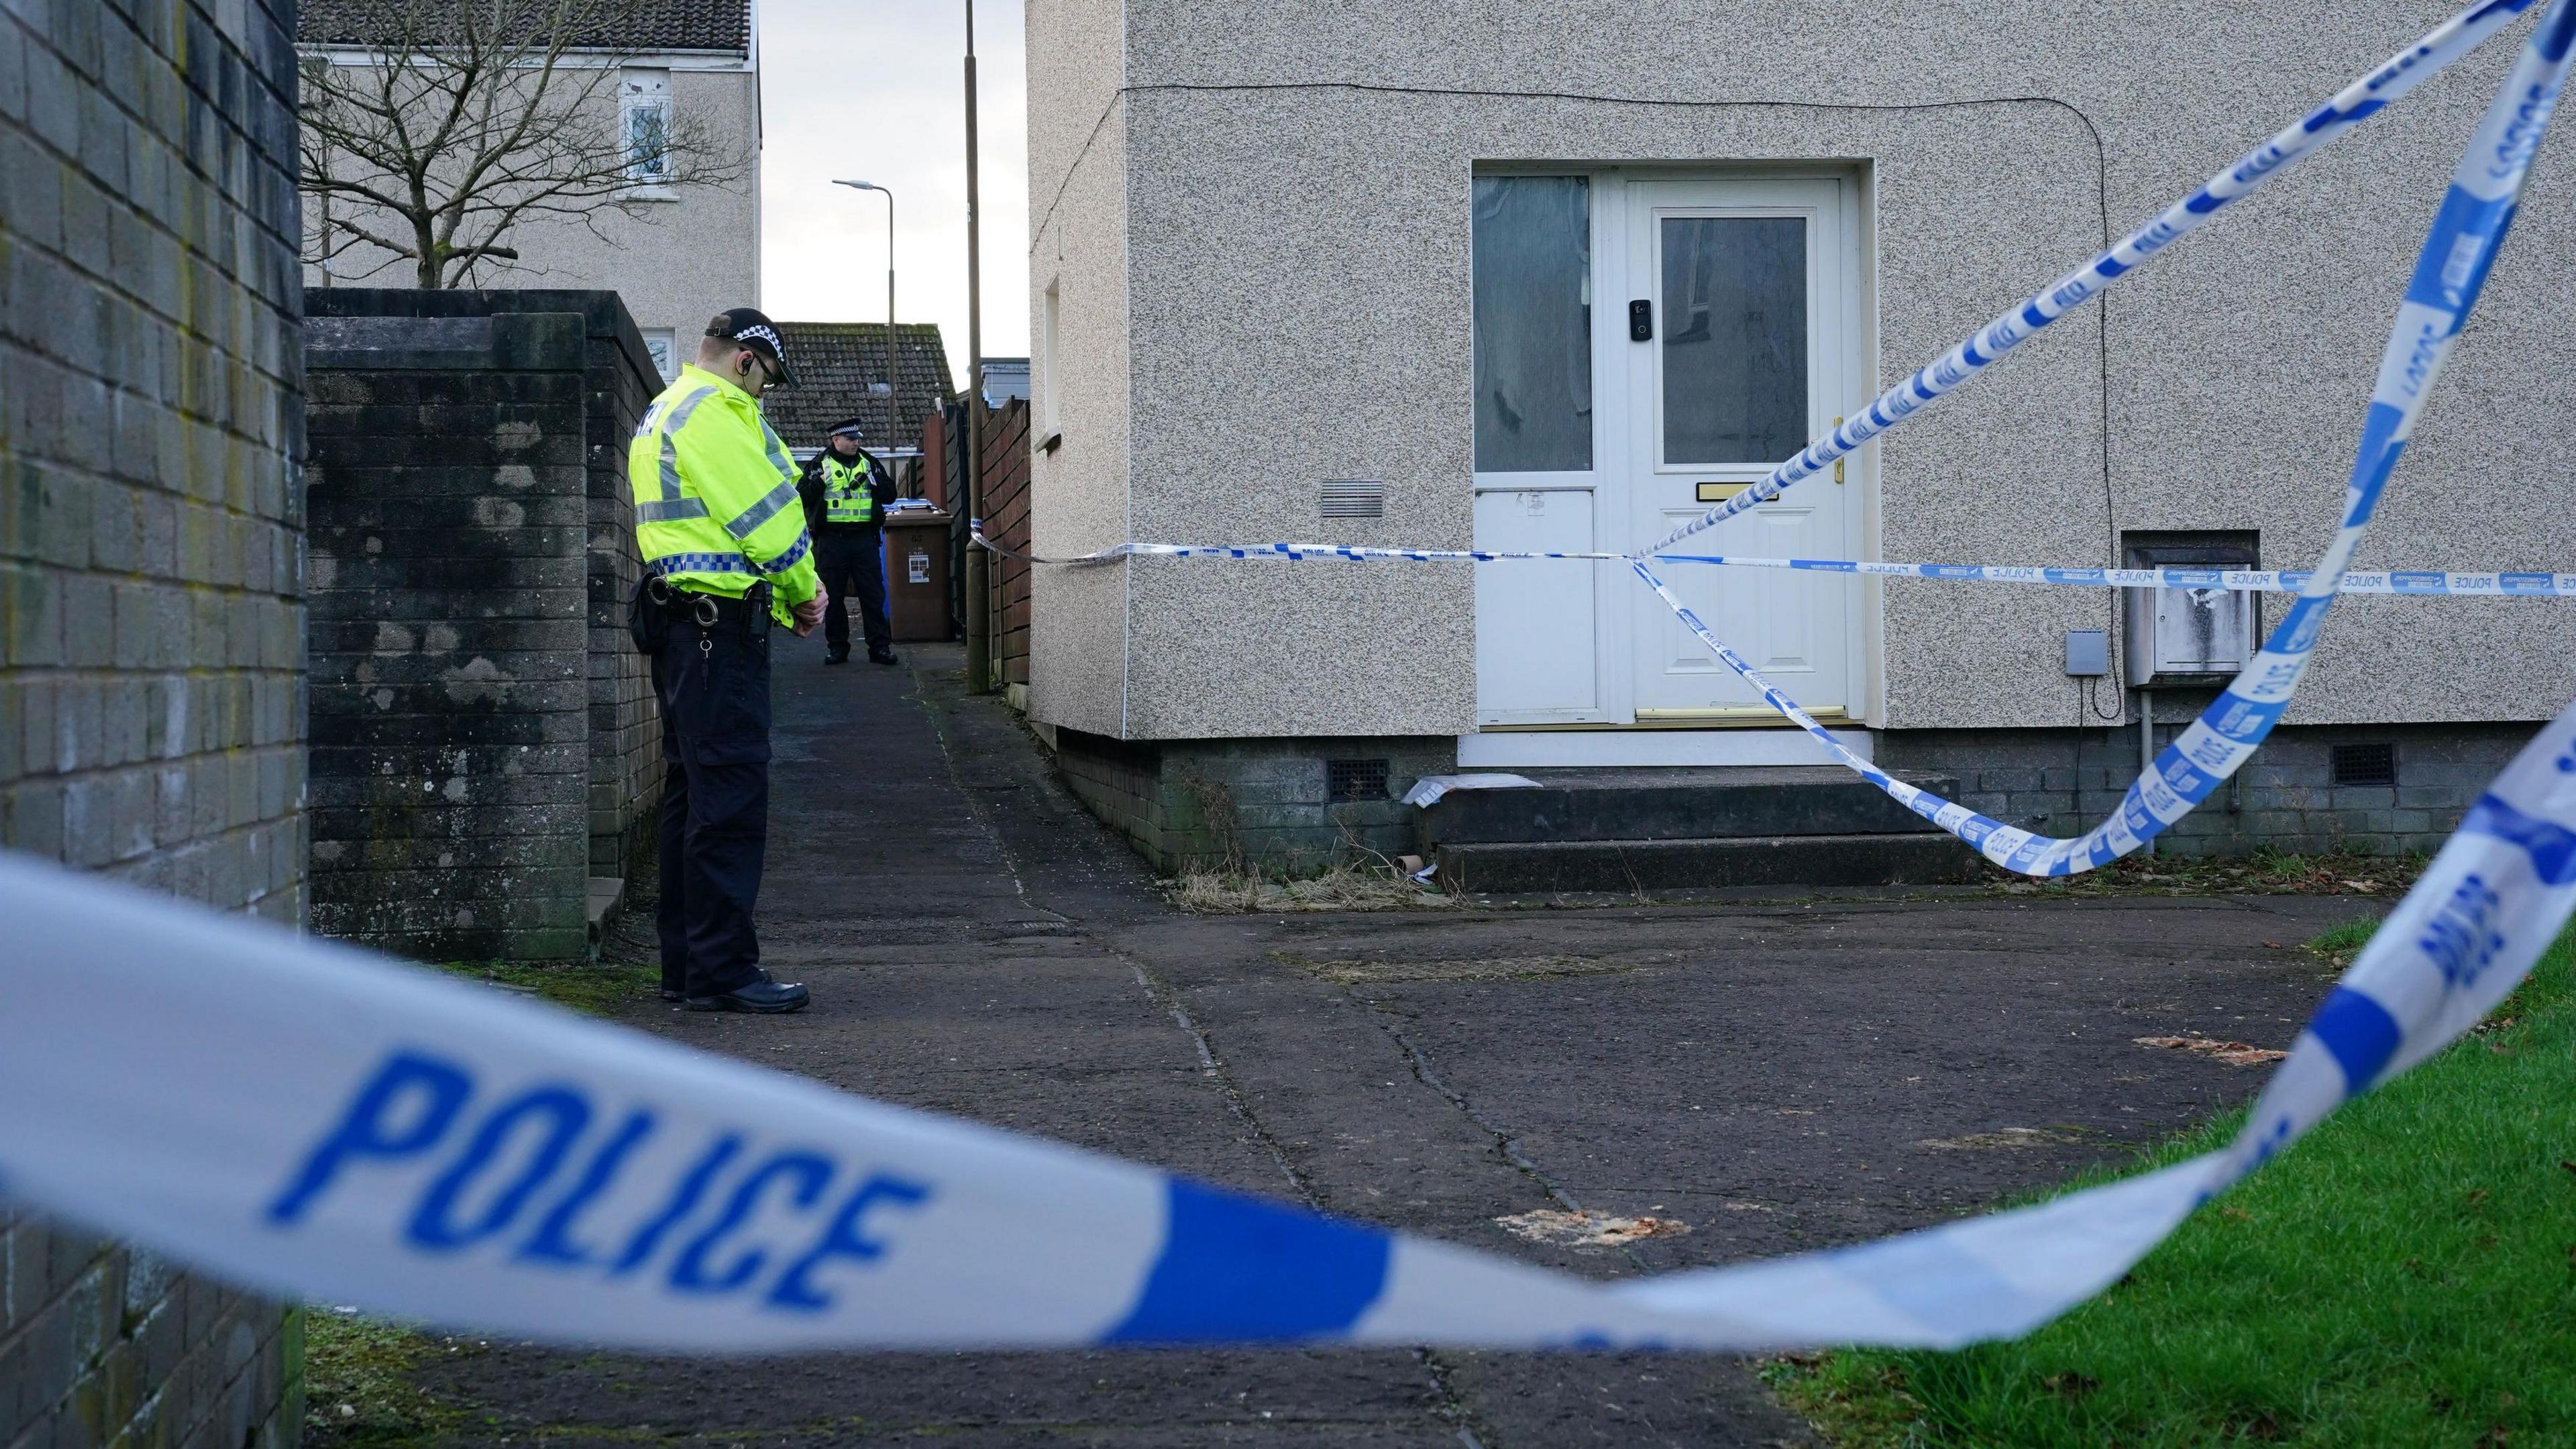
point(810, 613)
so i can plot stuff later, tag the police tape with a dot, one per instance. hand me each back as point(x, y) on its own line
point(311, 1121)
point(2422, 583)
point(316, 1122)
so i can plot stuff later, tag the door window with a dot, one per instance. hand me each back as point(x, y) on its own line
point(1532, 256)
point(1734, 338)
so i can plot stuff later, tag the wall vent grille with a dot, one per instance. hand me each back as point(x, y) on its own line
point(1349, 780)
point(2374, 764)
point(1354, 498)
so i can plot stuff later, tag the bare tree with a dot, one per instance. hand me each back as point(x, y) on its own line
point(465, 118)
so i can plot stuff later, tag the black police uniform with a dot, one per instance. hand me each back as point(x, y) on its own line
point(851, 559)
point(711, 674)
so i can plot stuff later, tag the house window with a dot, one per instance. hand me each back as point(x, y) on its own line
point(663, 343)
point(644, 125)
point(1532, 256)
point(1046, 384)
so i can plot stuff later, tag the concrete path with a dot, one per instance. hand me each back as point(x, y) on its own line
point(1772, 1077)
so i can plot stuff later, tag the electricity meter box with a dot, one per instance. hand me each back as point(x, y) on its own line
point(2190, 635)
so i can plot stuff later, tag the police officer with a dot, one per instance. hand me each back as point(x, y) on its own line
point(846, 494)
point(724, 548)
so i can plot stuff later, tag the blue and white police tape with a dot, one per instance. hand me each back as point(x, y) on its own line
point(2424, 583)
point(2450, 272)
point(317, 1122)
point(2401, 73)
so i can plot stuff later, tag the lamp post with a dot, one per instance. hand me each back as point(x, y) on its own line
point(894, 390)
point(979, 603)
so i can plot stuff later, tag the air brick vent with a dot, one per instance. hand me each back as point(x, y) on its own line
point(1350, 780)
point(1354, 498)
point(2374, 764)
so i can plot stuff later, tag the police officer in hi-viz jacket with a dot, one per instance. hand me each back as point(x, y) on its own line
point(725, 552)
point(846, 495)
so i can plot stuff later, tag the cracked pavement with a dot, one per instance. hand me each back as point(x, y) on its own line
point(1772, 1077)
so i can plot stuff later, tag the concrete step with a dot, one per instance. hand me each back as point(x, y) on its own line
point(1734, 802)
point(1531, 867)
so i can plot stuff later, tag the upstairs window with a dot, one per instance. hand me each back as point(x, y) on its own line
point(644, 124)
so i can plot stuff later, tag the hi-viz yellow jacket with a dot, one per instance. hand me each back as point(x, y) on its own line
point(715, 495)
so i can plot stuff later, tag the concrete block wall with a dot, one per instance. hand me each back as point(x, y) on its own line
point(2066, 781)
point(618, 383)
point(1165, 795)
point(151, 710)
point(451, 767)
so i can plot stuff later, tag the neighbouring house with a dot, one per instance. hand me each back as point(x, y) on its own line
point(1531, 276)
point(681, 254)
point(841, 373)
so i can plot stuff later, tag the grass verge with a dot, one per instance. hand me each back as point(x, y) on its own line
point(1339, 888)
point(358, 1387)
point(592, 990)
point(2405, 1276)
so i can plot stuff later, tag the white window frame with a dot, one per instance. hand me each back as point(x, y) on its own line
point(643, 91)
point(664, 345)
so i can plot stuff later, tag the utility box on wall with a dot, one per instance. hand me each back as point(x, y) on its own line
point(2199, 633)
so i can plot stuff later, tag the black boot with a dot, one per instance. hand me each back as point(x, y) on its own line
point(882, 656)
point(762, 997)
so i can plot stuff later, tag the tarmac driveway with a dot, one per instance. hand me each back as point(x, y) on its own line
point(1755, 1080)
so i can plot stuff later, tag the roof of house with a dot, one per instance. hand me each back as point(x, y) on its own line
point(723, 25)
point(1005, 378)
point(837, 363)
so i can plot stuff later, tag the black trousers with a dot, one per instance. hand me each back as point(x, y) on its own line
point(852, 561)
point(713, 684)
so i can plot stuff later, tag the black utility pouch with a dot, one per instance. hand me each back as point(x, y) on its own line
point(648, 615)
point(756, 617)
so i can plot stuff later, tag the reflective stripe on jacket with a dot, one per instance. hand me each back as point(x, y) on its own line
point(848, 494)
point(715, 495)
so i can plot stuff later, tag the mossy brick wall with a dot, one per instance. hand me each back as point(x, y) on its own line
point(151, 710)
point(618, 383)
point(484, 739)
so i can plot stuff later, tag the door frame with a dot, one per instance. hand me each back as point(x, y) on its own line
point(1616, 434)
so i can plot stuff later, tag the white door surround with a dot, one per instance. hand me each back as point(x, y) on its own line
point(1754, 322)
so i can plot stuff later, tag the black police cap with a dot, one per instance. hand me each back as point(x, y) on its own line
point(751, 328)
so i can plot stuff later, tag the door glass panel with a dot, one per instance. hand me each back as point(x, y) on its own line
point(1734, 330)
point(1533, 324)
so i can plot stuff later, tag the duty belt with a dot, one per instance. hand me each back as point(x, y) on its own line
point(708, 610)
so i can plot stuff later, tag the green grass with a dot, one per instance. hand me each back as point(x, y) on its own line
point(592, 990)
point(358, 1387)
point(2406, 1275)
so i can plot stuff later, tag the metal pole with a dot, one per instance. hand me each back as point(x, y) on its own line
point(894, 389)
point(979, 603)
point(2146, 743)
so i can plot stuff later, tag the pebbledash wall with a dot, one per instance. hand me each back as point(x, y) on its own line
point(1250, 258)
point(486, 756)
point(151, 715)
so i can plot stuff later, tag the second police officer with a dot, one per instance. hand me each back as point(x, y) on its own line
point(846, 495)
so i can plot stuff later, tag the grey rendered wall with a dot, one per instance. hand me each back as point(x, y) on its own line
point(1298, 269)
point(151, 526)
point(1078, 144)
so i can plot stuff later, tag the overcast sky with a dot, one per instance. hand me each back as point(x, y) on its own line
point(874, 89)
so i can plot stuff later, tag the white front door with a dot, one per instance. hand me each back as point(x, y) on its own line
point(1645, 346)
point(1749, 285)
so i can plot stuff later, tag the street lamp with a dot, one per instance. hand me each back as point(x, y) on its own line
point(894, 393)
